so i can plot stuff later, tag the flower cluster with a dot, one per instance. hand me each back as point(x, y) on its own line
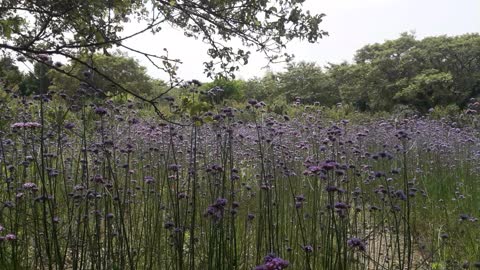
point(8, 237)
point(31, 125)
point(215, 210)
point(272, 262)
point(357, 243)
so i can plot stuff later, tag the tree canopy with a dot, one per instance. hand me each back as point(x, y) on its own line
point(30, 28)
point(425, 73)
point(405, 72)
point(124, 70)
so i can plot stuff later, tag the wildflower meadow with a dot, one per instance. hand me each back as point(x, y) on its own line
point(109, 185)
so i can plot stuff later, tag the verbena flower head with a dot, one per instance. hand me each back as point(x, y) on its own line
point(101, 111)
point(252, 101)
point(341, 205)
point(174, 167)
point(272, 262)
point(328, 165)
point(30, 125)
point(149, 180)
point(10, 237)
point(356, 243)
point(216, 210)
point(69, 126)
point(30, 186)
point(300, 198)
point(401, 195)
point(308, 248)
point(331, 189)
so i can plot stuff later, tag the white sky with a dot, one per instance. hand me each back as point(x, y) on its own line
point(351, 25)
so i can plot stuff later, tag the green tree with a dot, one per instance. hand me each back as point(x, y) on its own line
point(221, 89)
point(265, 88)
point(427, 90)
point(125, 71)
point(36, 82)
point(385, 67)
point(458, 56)
point(10, 75)
point(308, 81)
point(350, 82)
point(434, 71)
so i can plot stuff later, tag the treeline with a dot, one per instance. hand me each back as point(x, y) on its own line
point(399, 74)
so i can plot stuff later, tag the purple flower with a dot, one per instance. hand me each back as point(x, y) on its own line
point(31, 125)
point(221, 202)
point(331, 188)
point(18, 125)
point(10, 237)
point(29, 186)
point(401, 195)
point(148, 180)
point(300, 198)
point(252, 101)
point(314, 169)
point(341, 205)
point(402, 135)
point(308, 248)
point(272, 262)
point(329, 165)
point(216, 210)
point(101, 111)
point(69, 126)
point(97, 179)
point(298, 205)
point(356, 243)
point(174, 167)
point(79, 187)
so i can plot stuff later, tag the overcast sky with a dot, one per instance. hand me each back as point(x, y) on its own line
point(351, 24)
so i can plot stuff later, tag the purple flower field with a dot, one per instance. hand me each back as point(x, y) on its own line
point(111, 186)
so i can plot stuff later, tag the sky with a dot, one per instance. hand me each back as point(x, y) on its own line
point(351, 24)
